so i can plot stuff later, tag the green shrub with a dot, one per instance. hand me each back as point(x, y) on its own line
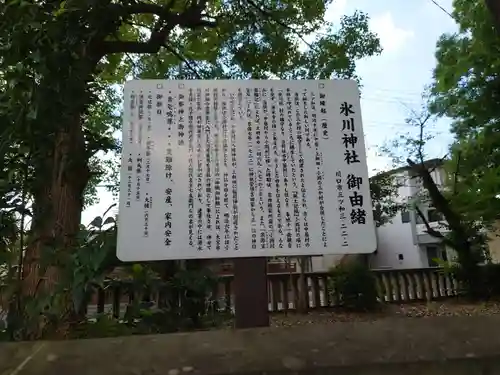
point(486, 279)
point(186, 303)
point(355, 286)
point(103, 326)
point(491, 280)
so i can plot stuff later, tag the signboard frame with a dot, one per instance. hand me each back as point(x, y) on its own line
point(320, 118)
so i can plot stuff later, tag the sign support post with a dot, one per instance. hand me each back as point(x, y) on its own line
point(251, 298)
point(245, 170)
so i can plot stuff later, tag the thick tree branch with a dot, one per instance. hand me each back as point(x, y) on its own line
point(268, 14)
point(494, 8)
point(120, 46)
point(182, 59)
point(437, 198)
point(428, 228)
point(162, 11)
point(431, 231)
point(422, 123)
point(455, 176)
point(145, 8)
point(191, 18)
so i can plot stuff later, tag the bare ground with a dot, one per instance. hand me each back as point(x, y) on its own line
point(390, 311)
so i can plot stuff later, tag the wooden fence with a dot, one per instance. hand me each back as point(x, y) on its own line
point(393, 286)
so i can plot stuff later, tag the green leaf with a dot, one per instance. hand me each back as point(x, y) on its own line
point(465, 89)
point(60, 107)
point(61, 9)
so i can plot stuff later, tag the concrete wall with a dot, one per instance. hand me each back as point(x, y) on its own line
point(326, 262)
point(431, 346)
point(494, 243)
point(396, 248)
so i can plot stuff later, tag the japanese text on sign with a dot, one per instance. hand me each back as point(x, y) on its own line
point(219, 169)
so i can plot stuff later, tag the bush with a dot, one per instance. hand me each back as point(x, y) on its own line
point(185, 304)
point(355, 286)
point(103, 326)
point(487, 283)
point(491, 280)
point(478, 282)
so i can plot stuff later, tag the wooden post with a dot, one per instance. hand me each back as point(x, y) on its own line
point(250, 289)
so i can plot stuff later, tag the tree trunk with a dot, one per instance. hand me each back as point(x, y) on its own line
point(58, 196)
point(194, 302)
point(494, 8)
point(468, 256)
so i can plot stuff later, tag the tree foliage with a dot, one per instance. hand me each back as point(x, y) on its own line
point(384, 192)
point(463, 234)
point(60, 59)
point(466, 88)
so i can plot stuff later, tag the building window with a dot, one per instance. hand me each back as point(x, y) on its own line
point(433, 215)
point(435, 253)
point(401, 181)
point(419, 219)
point(405, 216)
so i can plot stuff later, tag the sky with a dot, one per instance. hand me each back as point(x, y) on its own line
point(393, 82)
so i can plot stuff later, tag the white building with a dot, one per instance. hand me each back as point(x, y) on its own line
point(404, 243)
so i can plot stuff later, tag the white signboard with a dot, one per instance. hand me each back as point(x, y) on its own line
point(220, 169)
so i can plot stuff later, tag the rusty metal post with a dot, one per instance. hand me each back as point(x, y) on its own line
point(250, 289)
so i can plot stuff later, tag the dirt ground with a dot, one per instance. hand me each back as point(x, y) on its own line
point(390, 311)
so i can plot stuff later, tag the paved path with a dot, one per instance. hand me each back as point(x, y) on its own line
point(365, 347)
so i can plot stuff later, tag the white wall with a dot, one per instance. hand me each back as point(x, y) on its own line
point(393, 239)
point(325, 263)
point(438, 176)
point(437, 225)
point(396, 237)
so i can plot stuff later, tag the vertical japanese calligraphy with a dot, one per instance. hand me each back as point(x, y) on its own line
point(269, 180)
point(147, 197)
point(225, 169)
point(190, 202)
point(319, 168)
point(341, 208)
point(130, 140)
point(167, 168)
point(217, 155)
point(353, 182)
point(138, 158)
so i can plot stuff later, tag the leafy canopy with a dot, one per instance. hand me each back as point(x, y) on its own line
point(60, 59)
point(466, 88)
point(59, 62)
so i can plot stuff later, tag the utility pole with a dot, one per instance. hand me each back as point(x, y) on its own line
point(494, 8)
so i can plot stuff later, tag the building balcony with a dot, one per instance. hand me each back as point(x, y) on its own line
point(425, 238)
